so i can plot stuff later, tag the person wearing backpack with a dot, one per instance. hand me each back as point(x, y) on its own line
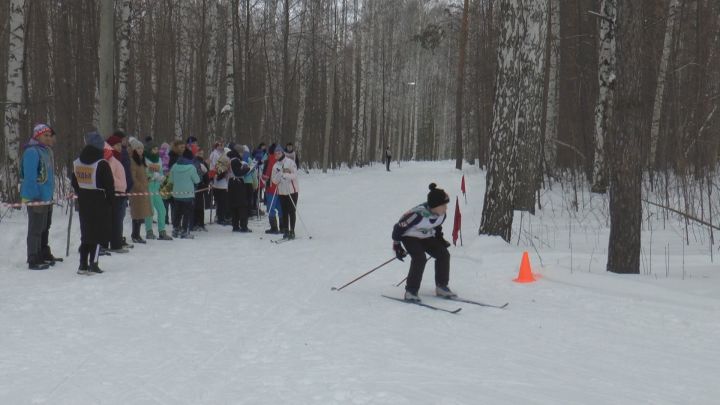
point(37, 186)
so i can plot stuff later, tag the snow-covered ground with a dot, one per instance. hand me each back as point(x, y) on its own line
point(234, 319)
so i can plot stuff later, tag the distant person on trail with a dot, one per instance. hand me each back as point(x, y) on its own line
point(420, 231)
point(388, 158)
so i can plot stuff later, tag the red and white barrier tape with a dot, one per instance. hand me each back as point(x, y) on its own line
point(72, 197)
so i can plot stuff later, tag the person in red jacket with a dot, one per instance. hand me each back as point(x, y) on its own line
point(272, 201)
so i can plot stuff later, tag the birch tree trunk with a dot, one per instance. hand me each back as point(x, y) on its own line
point(211, 71)
point(106, 53)
point(604, 107)
point(330, 101)
point(14, 97)
point(497, 215)
point(553, 94)
point(460, 86)
point(227, 112)
point(532, 21)
point(673, 11)
point(124, 57)
point(629, 128)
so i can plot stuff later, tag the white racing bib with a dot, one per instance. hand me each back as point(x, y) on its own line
point(86, 175)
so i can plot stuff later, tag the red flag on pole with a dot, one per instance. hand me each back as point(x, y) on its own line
point(457, 223)
point(462, 184)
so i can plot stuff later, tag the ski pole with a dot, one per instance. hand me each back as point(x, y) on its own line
point(401, 281)
point(71, 204)
point(212, 201)
point(300, 218)
point(270, 207)
point(358, 278)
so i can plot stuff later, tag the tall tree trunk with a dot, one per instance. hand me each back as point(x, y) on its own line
point(459, 92)
point(630, 126)
point(211, 33)
point(329, 111)
point(533, 19)
point(106, 53)
point(497, 215)
point(124, 58)
point(604, 107)
point(14, 97)
point(552, 104)
point(673, 11)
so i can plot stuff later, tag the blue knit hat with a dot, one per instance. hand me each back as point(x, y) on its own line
point(95, 140)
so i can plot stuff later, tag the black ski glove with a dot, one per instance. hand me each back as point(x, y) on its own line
point(439, 236)
point(400, 253)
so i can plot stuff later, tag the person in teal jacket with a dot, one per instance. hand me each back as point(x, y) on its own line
point(37, 185)
point(155, 180)
point(184, 178)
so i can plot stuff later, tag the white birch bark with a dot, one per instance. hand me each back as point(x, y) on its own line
point(553, 95)
point(14, 95)
point(227, 110)
point(106, 54)
point(124, 56)
point(211, 81)
point(517, 111)
point(301, 116)
point(415, 87)
point(533, 20)
point(673, 11)
point(604, 107)
point(330, 104)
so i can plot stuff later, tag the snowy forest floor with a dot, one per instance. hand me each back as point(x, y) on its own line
point(234, 319)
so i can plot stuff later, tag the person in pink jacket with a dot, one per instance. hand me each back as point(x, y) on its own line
point(114, 143)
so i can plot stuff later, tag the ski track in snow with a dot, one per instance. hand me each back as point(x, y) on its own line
point(231, 318)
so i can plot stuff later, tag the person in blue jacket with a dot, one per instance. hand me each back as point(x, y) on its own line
point(37, 185)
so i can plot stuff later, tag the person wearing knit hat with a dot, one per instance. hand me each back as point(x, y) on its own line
point(122, 181)
point(91, 179)
point(420, 231)
point(95, 140)
point(114, 140)
point(37, 185)
point(135, 143)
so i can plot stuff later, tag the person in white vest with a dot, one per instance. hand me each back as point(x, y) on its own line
point(92, 180)
point(284, 176)
point(420, 231)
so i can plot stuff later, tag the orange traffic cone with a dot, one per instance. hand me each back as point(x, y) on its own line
point(525, 275)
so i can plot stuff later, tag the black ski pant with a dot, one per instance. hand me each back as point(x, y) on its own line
point(240, 217)
point(288, 204)
point(182, 213)
point(221, 202)
point(39, 221)
point(417, 248)
point(199, 210)
point(88, 252)
point(136, 225)
point(119, 207)
point(387, 163)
